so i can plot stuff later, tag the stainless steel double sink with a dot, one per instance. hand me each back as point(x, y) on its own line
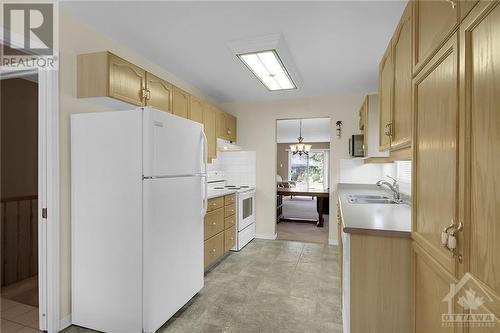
point(371, 199)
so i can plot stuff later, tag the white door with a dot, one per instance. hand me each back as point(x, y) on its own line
point(172, 246)
point(172, 145)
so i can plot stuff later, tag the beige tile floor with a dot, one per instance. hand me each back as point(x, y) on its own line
point(18, 318)
point(270, 286)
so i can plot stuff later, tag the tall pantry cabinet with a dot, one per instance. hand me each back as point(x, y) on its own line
point(480, 109)
point(456, 140)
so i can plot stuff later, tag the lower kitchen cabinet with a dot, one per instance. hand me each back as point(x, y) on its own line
point(229, 238)
point(214, 249)
point(375, 282)
point(430, 284)
point(219, 228)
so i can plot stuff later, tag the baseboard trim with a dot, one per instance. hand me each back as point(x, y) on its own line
point(333, 241)
point(266, 236)
point(65, 323)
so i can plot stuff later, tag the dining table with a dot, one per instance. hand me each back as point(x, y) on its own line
point(320, 195)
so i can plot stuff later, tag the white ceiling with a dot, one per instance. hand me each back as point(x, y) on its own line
point(336, 46)
point(313, 130)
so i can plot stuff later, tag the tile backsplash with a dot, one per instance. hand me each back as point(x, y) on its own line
point(239, 167)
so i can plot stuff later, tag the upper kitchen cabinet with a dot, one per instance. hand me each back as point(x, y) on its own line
point(180, 102)
point(231, 127)
point(226, 126)
point(363, 125)
point(158, 93)
point(386, 83)
point(209, 122)
point(196, 110)
point(104, 74)
point(402, 61)
point(434, 22)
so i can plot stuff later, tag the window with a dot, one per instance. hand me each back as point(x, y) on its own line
point(403, 174)
point(310, 172)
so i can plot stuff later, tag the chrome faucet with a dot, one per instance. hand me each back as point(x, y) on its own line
point(394, 187)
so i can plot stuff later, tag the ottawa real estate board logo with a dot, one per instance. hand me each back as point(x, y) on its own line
point(472, 302)
point(29, 35)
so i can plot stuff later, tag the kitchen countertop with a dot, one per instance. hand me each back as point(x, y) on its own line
point(384, 219)
point(218, 193)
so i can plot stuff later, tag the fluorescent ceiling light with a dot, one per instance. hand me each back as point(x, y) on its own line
point(269, 69)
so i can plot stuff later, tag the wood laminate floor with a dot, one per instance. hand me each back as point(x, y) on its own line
point(269, 286)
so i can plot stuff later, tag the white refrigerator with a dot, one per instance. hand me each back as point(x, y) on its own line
point(138, 194)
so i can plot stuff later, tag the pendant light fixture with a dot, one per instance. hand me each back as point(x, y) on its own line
point(300, 148)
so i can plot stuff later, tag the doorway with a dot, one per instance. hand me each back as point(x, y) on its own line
point(302, 179)
point(19, 202)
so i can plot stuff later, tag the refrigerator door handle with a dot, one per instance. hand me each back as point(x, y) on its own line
point(204, 177)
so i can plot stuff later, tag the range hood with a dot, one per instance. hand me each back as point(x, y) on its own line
point(224, 145)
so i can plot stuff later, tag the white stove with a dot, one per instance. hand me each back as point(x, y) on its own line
point(245, 206)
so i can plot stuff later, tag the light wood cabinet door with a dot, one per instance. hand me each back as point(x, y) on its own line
point(434, 21)
point(214, 249)
point(221, 125)
point(229, 199)
point(180, 103)
point(363, 125)
point(209, 122)
point(386, 81)
point(230, 210)
point(213, 223)
point(230, 121)
point(436, 152)
point(127, 82)
point(480, 103)
point(466, 6)
point(430, 284)
point(159, 93)
point(229, 221)
point(402, 62)
point(196, 110)
point(215, 203)
point(229, 238)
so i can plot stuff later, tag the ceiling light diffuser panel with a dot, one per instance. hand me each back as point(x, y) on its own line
point(268, 68)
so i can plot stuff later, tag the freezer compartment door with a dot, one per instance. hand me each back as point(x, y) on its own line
point(173, 246)
point(172, 145)
point(106, 221)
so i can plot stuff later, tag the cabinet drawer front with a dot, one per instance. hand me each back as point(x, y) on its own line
point(229, 210)
point(229, 238)
point(229, 221)
point(214, 249)
point(229, 199)
point(215, 203)
point(214, 223)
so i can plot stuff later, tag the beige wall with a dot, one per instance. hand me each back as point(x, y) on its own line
point(282, 156)
point(257, 131)
point(76, 38)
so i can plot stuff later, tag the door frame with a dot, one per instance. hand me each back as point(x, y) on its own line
point(48, 194)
